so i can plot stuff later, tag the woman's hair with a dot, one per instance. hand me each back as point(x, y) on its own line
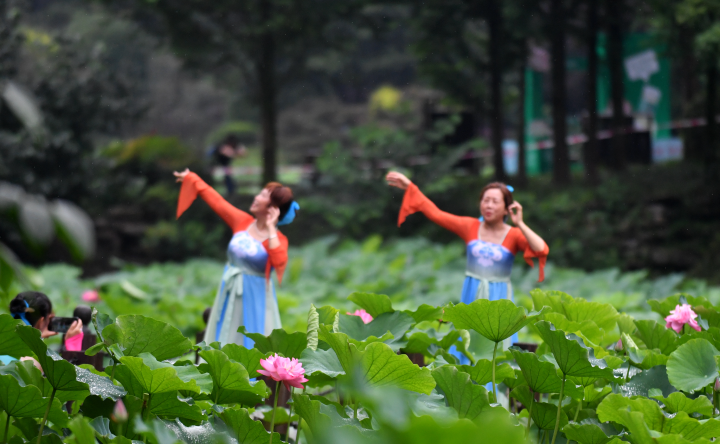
point(38, 306)
point(281, 197)
point(507, 195)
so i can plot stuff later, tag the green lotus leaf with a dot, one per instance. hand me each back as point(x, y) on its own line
point(374, 304)
point(231, 382)
point(289, 345)
point(156, 432)
point(643, 382)
point(28, 402)
point(692, 366)
point(138, 334)
point(481, 372)
point(140, 376)
point(468, 399)
point(544, 416)
point(594, 394)
point(656, 336)
point(168, 405)
point(320, 417)
point(539, 375)
point(324, 362)
point(573, 357)
point(690, 428)
point(313, 323)
point(10, 342)
point(381, 366)
point(60, 374)
point(495, 320)
point(645, 359)
point(586, 329)
point(613, 407)
point(190, 372)
point(396, 323)
point(346, 352)
point(250, 359)
point(426, 313)
point(82, 432)
point(327, 314)
point(589, 431)
point(678, 402)
point(712, 334)
point(244, 429)
point(576, 309)
point(99, 385)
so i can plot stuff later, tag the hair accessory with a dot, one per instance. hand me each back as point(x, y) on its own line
point(510, 188)
point(21, 315)
point(290, 215)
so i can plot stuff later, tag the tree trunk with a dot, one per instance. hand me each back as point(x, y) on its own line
point(522, 128)
point(561, 158)
point(268, 105)
point(710, 113)
point(496, 110)
point(615, 62)
point(590, 156)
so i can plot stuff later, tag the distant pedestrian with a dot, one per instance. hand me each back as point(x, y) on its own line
point(223, 153)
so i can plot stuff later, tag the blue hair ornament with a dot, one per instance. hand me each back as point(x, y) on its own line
point(22, 315)
point(290, 215)
point(510, 188)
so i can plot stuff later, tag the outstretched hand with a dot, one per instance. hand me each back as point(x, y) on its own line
point(516, 213)
point(179, 177)
point(75, 329)
point(397, 180)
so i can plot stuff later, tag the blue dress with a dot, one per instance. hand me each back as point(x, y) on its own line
point(245, 297)
point(487, 276)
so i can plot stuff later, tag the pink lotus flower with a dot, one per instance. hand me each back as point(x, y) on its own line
point(289, 371)
point(683, 314)
point(90, 296)
point(120, 413)
point(365, 316)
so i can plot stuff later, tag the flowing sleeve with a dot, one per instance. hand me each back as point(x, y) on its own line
point(515, 241)
point(414, 201)
point(193, 185)
point(277, 257)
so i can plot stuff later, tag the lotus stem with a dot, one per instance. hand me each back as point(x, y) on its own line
point(560, 400)
point(532, 401)
point(493, 371)
point(297, 435)
point(47, 412)
point(272, 418)
point(287, 434)
point(627, 374)
point(145, 406)
point(7, 426)
point(577, 412)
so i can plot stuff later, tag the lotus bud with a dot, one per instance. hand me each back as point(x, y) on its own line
point(717, 384)
point(619, 345)
point(120, 413)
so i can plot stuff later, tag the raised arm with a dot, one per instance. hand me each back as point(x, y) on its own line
point(192, 185)
point(527, 241)
point(414, 201)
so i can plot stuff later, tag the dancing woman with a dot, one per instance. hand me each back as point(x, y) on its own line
point(491, 243)
point(246, 296)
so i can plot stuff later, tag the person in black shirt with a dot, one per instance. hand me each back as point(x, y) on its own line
point(223, 154)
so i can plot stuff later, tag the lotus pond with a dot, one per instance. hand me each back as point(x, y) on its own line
point(596, 367)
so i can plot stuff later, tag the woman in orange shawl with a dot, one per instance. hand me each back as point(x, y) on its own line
point(491, 243)
point(246, 296)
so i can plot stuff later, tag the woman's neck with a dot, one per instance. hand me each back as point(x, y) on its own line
point(498, 225)
point(261, 222)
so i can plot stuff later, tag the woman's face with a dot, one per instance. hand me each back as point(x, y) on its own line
point(43, 323)
point(261, 203)
point(492, 205)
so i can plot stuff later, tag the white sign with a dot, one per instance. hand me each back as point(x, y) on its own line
point(651, 95)
point(641, 66)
